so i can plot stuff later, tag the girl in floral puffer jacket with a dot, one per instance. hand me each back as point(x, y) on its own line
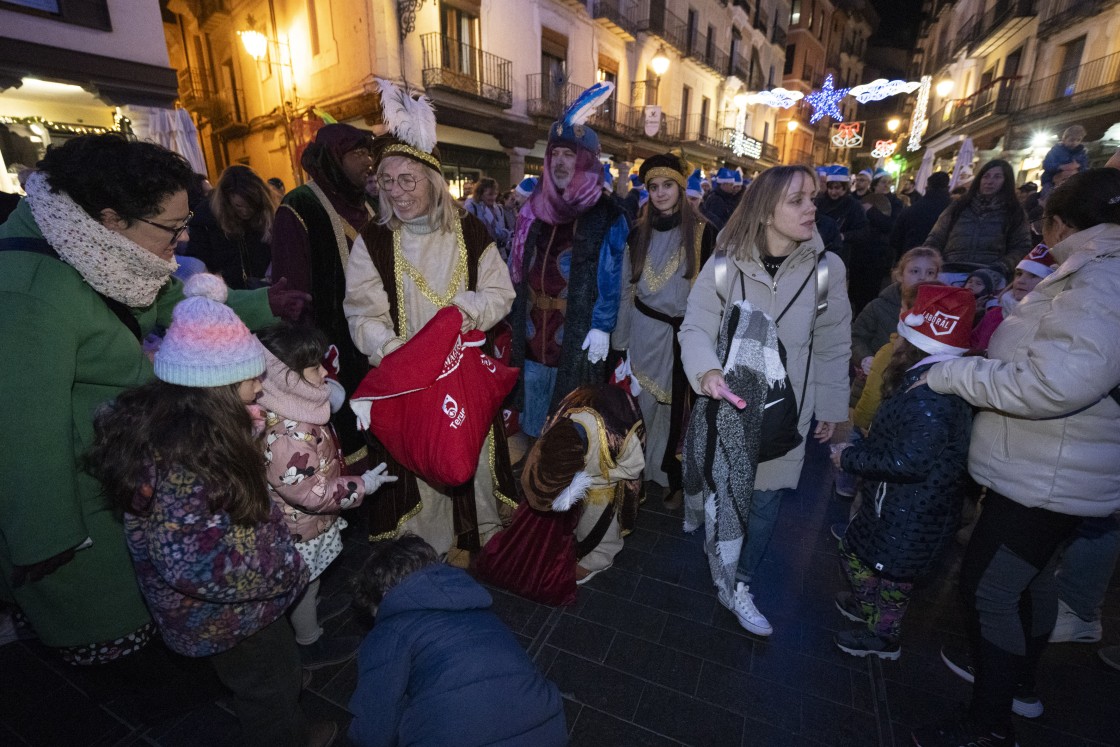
point(305, 480)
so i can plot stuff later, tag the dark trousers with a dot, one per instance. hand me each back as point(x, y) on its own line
point(1011, 599)
point(263, 671)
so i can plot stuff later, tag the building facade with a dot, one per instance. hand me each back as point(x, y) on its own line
point(1011, 75)
point(498, 71)
point(69, 67)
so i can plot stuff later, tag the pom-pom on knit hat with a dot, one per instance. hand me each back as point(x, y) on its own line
point(207, 345)
point(526, 186)
point(940, 321)
point(1039, 262)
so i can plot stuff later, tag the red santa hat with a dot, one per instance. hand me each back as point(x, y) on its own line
point(1039, 262)
point(940, 321)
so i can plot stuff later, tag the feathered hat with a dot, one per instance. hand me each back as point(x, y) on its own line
point(570, 128)
point(666, 166)
point(412, 121)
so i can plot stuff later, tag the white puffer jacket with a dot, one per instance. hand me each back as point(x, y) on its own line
point(1049, 433)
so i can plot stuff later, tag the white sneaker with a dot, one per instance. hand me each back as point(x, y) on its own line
point(1069, 628)
point(742, 604)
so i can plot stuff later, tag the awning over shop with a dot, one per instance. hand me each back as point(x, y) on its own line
point(117, 82)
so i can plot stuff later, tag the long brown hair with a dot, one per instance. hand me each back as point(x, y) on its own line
point(905, 355)
point(744, 236)
point(643, 231)
point(207, 431)
point(243, 181)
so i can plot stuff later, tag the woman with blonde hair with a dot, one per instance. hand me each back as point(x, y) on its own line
point(232, 231)
point(425, 253)
point(770, 307)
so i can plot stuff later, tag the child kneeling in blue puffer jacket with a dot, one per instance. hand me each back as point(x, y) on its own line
point(439, 665)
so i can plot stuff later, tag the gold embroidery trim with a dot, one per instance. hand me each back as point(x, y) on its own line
point(357, 456)
point(494, 473)
point(664, 172)
point(606, 461)
point(427, 158)
point(392, 533)
point(659, 394)
point(405, 268)
point(655, 281)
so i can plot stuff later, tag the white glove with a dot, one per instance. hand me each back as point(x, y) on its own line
point(337, 395)
point(865, 365)
point(623, 372)
point(597, 343)
point(376, 477)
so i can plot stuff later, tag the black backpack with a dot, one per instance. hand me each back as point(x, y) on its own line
point(779, 433)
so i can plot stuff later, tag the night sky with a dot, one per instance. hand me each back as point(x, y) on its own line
point(898, 23)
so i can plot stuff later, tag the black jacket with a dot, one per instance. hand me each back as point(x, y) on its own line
point(240, 260)
point(849, 218)
point(916, 221)
point(718, 206)
point(914, 462)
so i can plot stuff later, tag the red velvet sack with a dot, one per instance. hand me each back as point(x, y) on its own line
point(432, 401)
point(535, 556)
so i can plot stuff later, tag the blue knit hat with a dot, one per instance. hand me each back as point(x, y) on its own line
point(526, 187)
point(837, 174)
point(608, 177)
point(694, 185)
point(727, 176)
point(207, 345)
point(635, 180)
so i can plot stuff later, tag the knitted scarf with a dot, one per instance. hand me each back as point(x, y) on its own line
point(720, 452)
point(110, 263)
point(285, 393)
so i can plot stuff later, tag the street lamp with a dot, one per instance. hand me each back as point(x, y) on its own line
point(943, 87)
point(893, 124)
point(660, 62)
point(791, 126)
point(257, 46)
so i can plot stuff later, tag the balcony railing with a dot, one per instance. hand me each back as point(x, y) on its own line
point(548, 97)
point(739, 66)
point(698, 129)
point(980, 27)
point(228, 115)
point(704, 51)
point(1093, 82)
point(460, 67)
point(622, 13)
point(1059, 14)
point(195, 88)
point(614, 118)
point(993, 99)
point(643, 92)
point(669, 129)
point(669, 27)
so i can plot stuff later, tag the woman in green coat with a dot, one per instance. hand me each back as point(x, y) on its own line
point(85, 274)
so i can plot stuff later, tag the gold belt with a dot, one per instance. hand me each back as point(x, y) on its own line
point(548, 303)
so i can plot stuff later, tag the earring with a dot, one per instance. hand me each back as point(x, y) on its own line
point(768, 221)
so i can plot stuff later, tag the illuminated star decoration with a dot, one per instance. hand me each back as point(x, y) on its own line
point(779, 98)
point(881, 88)
point(824, 101)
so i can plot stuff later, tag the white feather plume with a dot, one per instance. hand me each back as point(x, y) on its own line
point(411, 119)
point(574, 493)
point(585, 105)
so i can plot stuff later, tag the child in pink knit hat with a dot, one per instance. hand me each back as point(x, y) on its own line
point(304, 468)
point(180, 458)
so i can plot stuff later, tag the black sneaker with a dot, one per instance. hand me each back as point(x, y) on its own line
point(962, 733)
point(1025, 704)
point(849, 607)
point(862, 642)
point(327, 652)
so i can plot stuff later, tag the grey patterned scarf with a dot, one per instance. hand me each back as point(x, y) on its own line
point(720, 451)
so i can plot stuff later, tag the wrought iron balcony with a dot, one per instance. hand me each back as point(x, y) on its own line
point(698, 129)
point(672, 29)
point(614, 118)
point(195, 88)
point(1055, 15)
point(1096, 81)
point(740, 66)
point(669, 128)
point(995, 24)
point(992, 100)
point(703, 50)
point(620, 13)
point(228, 115)
point(457, 66)
point(548, 97)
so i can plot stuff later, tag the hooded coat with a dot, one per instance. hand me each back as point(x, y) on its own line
point(439, 668)
point(913, 462)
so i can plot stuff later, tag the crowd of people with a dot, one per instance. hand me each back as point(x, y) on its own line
point(193, 463)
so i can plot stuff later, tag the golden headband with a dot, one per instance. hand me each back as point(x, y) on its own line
point(405, 149)
point(665, 172)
